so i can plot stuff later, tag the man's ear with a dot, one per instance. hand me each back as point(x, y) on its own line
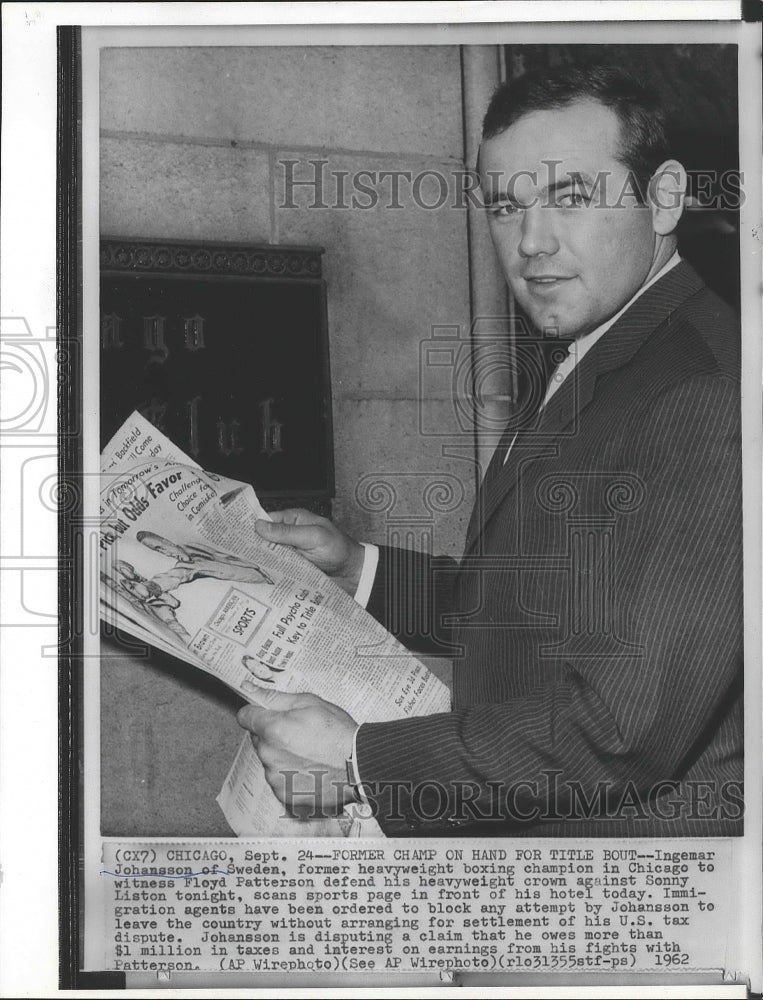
point(667, 190)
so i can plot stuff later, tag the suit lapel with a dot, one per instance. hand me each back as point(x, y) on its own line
point(566, 407)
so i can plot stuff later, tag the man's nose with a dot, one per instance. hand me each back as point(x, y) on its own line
point(537, 236)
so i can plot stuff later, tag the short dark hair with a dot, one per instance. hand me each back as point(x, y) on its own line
point(644, 141)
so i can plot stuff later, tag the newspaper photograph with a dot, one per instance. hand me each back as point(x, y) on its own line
point(382, 565)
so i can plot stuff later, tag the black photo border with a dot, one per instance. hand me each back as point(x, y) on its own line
point(70, 512)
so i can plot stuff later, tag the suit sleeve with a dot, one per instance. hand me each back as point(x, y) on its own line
point(412, 597)
point(637, 721)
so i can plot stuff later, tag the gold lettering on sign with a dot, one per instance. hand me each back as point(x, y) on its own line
point(272, 437)
point(111, 332)
point(153, 339)
point(192, 411)
point(194, 333)
point(228, 442)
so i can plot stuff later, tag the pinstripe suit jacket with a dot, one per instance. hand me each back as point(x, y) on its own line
point(596, 619)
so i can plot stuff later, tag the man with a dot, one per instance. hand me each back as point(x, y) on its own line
point(595, 621)
point(195, 562)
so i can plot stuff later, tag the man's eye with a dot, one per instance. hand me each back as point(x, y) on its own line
point(504, 211)
point(573, 199)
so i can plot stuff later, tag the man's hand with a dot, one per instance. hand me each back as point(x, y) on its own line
point(303, 743)
point(320, 541)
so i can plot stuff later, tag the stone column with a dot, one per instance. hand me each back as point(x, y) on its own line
point(492, 378)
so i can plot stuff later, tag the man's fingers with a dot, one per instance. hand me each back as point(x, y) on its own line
point(285, 701)
point(270, 704)
point(294, 515)
point(289, 516)
point(300, 536)
point(300, 806)
point(306, 795)
point(254, 718)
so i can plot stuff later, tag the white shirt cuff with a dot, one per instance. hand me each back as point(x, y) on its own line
point(367, 574)
point(355, 772)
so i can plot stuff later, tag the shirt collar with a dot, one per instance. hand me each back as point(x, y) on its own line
point(580, 347)
point(583, 344)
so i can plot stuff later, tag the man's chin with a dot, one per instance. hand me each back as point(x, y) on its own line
point(552, 327)
point(559, 325)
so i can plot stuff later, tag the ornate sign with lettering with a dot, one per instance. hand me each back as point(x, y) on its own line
point(225, 348)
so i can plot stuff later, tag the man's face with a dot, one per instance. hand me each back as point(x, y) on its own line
point(571, 263)
point(137, 589)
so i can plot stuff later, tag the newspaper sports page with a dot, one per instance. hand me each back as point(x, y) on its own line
point(182, 566)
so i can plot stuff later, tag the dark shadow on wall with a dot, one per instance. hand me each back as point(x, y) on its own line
point(168, 736)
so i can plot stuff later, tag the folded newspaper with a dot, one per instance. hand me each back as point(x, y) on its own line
point(183, 569)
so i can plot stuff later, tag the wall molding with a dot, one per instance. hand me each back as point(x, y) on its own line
point(173, 256)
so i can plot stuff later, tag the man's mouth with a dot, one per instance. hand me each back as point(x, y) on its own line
point(548, 279)
point(547, 282)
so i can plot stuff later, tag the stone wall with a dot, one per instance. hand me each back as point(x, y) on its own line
point(194, 143)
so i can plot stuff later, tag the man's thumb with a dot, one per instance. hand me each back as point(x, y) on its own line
point(273, 531)
point(279, 701)
point(300, 536)
point(276, 701)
